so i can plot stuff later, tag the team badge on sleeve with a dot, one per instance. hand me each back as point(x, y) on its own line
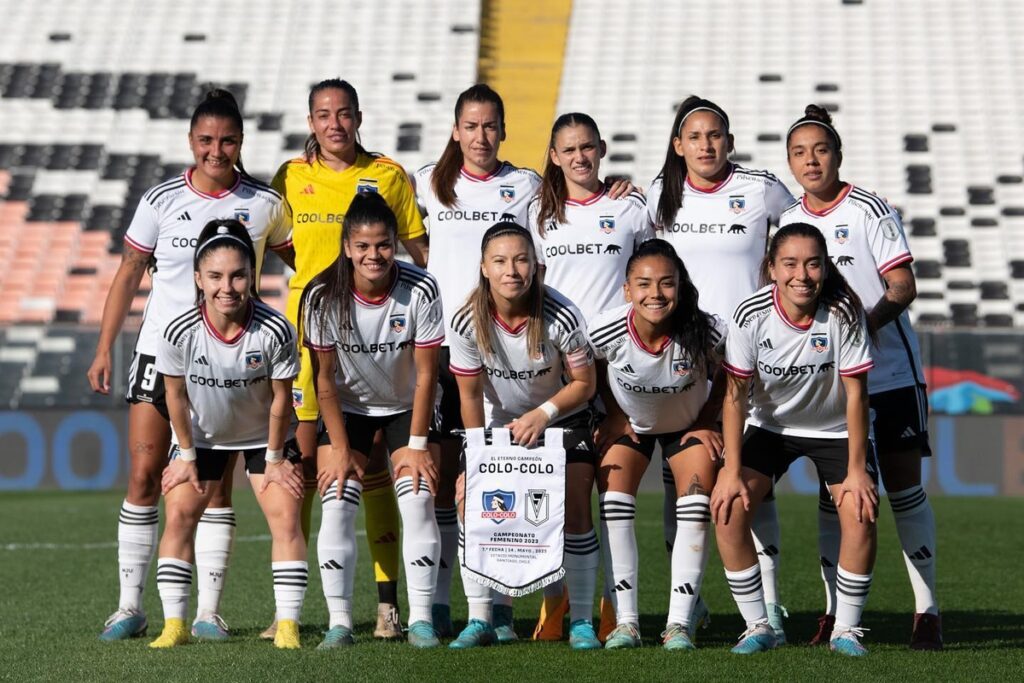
point(681, 367)
point(607, 224)
point(842, 234)
point(737, 204)
point(819, 342)
point(889, 229)
point(254, 360)
point(397, 322)
point(507, 193)
point(498, 505)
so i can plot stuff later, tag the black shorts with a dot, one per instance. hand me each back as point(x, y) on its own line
point(145, 384)
point(448, 412)
point(901, 420)
point(212, 463)
point(670, 444)
point(362, 428)
point(771, 454)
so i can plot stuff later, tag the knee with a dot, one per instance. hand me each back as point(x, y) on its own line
point(181, 520)
point(144, 484)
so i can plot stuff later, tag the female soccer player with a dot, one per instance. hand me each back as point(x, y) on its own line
point(319, 186)
point(655, 356)
point(521, 358)
point(163, 234)
point(866, 241)
point(375, 325)
point(799, 348)
point(717, 215)
point(228, 364)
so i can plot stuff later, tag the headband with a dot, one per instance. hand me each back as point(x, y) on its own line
point(721, 115)
point(222, 234)
point(803, 122)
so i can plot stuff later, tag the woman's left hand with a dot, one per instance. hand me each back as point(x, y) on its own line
point(711, 438)
point(620, 188)
point(286, 475)
point(527, 429)
point(178, 472)
point(861, 491)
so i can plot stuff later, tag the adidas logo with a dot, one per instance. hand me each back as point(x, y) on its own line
point(825, 563)
point(184, 216)
point(628, 369)
point(201, 361)
point(423, 562)
point(444, 565)
point(769, 551)
point(766, 344)
point(685, 589)
point(389, 537)
point(922, 553)
point(582, 446)
point(331, 564)
point(908, 433)
point(308, 189)
point(622, 586)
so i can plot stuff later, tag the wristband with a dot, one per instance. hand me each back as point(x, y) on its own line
point(549, 409)
point(418, 443)
point(274, 455)
point(187, 454)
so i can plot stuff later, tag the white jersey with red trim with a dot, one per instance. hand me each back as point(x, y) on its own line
point(228, 380)
point(865, 240)
point(517, 379)
point(721, 233)
point(167, 224)
point(796, 370)
point(660, 390)
point(585, 257)
point(456, 232)
point(376, 357)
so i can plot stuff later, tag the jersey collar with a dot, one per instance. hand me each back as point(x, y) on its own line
point(373, 303)
point(482, 178)
point(505, 327)
point(835, 205)
point(782, 312)
point(639, 342)
point(717, 186)
point(217, 195)
point(221, 338)
point(587, 201)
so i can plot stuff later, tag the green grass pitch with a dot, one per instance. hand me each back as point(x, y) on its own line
point(58, 579)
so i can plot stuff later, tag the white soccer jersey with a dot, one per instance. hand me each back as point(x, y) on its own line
point(797, 387)
point(167, 224)
point(660, 390)
point(519, 379)
point(585, 257)
point(456, 232)
point(376, 359)
point(722, 233)
point(228, 380)
point(866, 240)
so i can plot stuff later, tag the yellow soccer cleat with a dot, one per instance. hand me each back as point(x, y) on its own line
point(552, 614)
point(175, 633)
point(287, 636)
point(608, 620)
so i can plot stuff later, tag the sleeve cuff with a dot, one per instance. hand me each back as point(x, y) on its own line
point(857, 369)
point(465, 372)
point(430, 343)
point(738, 372)
point(905, 257)
point(136, 246)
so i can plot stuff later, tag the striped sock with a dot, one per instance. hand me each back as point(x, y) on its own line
point(215, 537)
point(336, 550)
point(851, 596)
point(746, 590)
point(137, 534)
point(290, 580)
point(689, 556)
point(174, 583)
point(618, 512)
point(582, 555)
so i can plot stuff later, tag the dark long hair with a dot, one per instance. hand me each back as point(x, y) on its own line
point(553, 189)
point(221, 104)
point(673, 170)
point(312, 149)
point(690, 326)
point(480, 303)
point(225, 233)
point(836, 292)
point(331, 290)
point(446, 172)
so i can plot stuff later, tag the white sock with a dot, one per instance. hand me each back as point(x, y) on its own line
point(746, 590)
point(137, 533)
point(582, 555)
point(851, 596)
point(215, 537)
point(829, 536)
point(618, 512)
point(765, 530)
point(421, 547)
point(448, 526)
point(915, 525)
point(336, 550)
point(689, 556)
point(478, 596)
point(290, 579)
point(174, 583)
point(668, 507)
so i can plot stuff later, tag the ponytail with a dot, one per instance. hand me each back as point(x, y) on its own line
point(220, 103)
point(446, 171)
point(553, 190)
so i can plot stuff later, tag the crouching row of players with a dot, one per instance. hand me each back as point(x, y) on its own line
point(787, 374)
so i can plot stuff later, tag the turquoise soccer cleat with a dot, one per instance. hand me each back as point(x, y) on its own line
point(476, 634)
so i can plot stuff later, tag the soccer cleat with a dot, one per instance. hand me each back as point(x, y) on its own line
point(826, 622)
point(422, 636)
point(503, 627)
point(476, 634)
point(624, 636)
point(758, 638)
point(552, 614)
point(270, 632)
point(699, 619)
point(776, 612)
point(209, 626)
point(441, 615)
point(582, 636)
point(174, 634)
point(124, 624)
point(338, 636)
point(286, 635)
point(389, 624)
point(676, 637)
point(847, 643)
point(927, 633)
point(608, 621)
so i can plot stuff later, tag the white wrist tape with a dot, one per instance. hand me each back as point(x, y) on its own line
point(549, 409)
point(274, 455)
point(187, 454)
point(418, 443)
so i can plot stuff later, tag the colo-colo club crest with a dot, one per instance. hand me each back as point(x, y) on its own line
point(819, 342)
point(397, 323)
point(499, 505)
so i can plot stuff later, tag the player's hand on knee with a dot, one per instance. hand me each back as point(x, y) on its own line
point(285, 474)
point(859, 490)
point(181, 472)
point(336, 466)
point(711, 438)
point(727, 489)
point(420, 465)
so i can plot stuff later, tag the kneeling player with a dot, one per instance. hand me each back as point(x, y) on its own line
point(231, 360)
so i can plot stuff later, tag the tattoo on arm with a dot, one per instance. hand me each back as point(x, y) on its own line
point(695, 489)
point(891, 305)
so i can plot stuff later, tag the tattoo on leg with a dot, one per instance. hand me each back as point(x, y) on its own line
point(695, 489)
point(143, 448)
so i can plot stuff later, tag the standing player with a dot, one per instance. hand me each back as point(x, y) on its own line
point(228, 365)
point(655, 356)
point(798, 348)
point(375, 325)
point(521, 358)
point(319, 187)
point(162, 238)
point(866, 241)
point(717, 216)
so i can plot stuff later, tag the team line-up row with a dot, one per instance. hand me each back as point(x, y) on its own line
point(798, 344)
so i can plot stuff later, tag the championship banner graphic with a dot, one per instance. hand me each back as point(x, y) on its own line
point(514, 511)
